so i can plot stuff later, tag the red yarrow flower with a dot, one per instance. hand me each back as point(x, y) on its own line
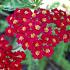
point(10, 31)
point(34, 31)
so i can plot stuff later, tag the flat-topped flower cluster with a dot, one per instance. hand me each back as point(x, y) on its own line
point(35, 32)
point(9, 60)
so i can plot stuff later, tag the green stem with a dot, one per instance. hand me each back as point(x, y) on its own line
point(29, 59)
point(42, 64)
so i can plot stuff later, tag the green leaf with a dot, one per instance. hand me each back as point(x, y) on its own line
point(42, 63)
point(59, 52)
point(65, 64)
point(11, 5)
point(3, 25)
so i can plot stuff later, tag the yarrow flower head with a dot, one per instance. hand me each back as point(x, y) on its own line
point(9, 60)
point(33, 32)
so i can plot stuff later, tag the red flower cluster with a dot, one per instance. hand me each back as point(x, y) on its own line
point(9, 60)
point(32, 29)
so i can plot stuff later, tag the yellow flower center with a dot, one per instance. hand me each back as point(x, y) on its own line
point(44, 12)
point(37, 44)
point(54, 40)
point(37, 27)
point(54, 18)
point(32, 35)
point(47, 39)
point(46, 29)
point(21, 38)
point(43, 19)
point(37, 53)
point(62, 24)
point(24, 28)
point(30, 24)
point(15, 22)
point(24, 19)
point(9, 31)
point(26, 12)
point(33, 15)
point(47, 50)
point(26, 44)
point(68, 20)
